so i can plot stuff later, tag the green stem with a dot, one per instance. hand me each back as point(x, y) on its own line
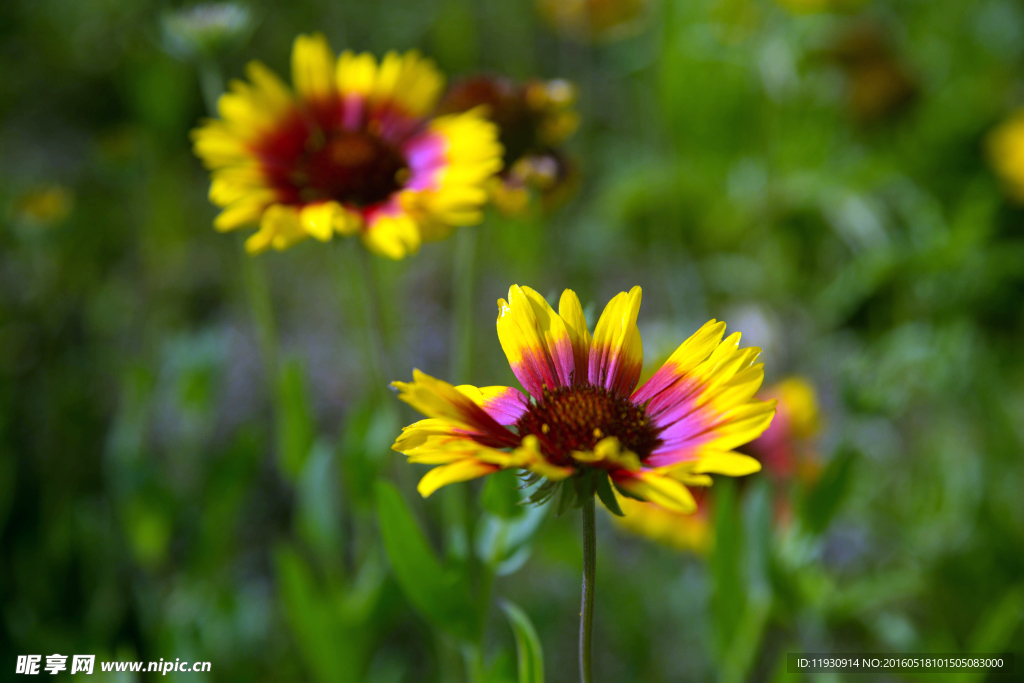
point(370, 294)
point(587, 601)
point(211, 83)
point(463, 286)
point(474, 663)
point(257, 290)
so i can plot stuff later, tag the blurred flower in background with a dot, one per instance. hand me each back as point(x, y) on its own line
point(205, 30)
point(534, 117)
point(688, 532)
point(786, 448)
point(1006, 154)
point(43, 205)
point(584, 419)
point(878, 84)
point(595, 19)
point(352, 154)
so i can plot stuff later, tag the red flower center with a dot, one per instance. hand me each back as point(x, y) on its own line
point(308, 164)
point(576, 418)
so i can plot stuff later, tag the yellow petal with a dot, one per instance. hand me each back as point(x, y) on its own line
point(726, 462)
point(571, 312)
point(319, 219)
point(463, 470)
point(616, 352)
point(660, 490)
point(313, 67)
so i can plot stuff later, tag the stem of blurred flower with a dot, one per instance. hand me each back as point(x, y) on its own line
point(211, 83)
point(257, 290)
point(587, 601)
point(376, 352)
point(463, 286)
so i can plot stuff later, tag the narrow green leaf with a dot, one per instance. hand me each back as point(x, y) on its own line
point(823, 501)
point(295, 429)
point(333, 651)
point(531, 654)
point(995, 630)
point(441, 595)
point(607, 496)
point(500, 495)
point(566, 496)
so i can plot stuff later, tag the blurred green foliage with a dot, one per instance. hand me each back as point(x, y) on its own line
point(168, 488)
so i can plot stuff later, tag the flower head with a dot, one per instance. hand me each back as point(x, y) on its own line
point(534, 117)
point(584, 422)
point(350, 152)
point(785, 448)
point(203, 30)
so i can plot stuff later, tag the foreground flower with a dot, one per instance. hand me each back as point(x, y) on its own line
point(584, 425)
point(351, 152)
point(1006, 154)
point(583, 419)
point(534, 118)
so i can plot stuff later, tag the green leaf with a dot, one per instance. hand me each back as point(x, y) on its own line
point(607, 496)
point(499, 540)
point(566, 496)
point(823, 501)
point(995, 630)
point(365, 446)
point(295, 429)
point(531, 654)
point(500, 495)
point(334, 651)
point(441, 595)
point(318, 511)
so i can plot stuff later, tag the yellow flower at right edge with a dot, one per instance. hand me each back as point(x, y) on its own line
point(1006, 154)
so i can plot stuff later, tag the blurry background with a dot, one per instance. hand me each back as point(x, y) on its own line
point(814, 172)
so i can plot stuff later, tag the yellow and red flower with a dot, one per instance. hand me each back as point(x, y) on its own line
point(689, 532)
point(352, 151)
point(534, 118)
point(786, 448)
point(583, 413)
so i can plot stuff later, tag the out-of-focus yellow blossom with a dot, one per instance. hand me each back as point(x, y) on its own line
point(595, 19)
point(673, 529)
point(44, 205)
point(1006, 154)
